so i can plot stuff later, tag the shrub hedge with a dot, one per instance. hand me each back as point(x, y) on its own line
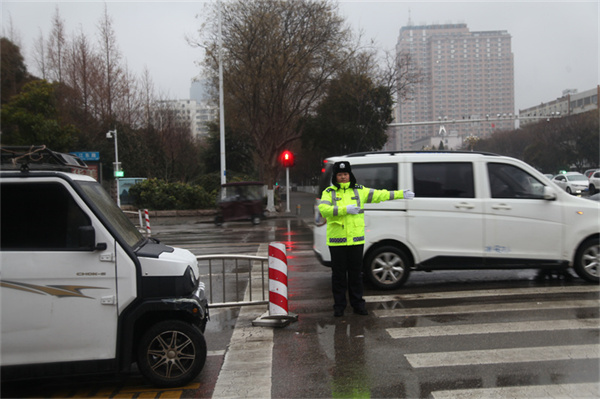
point(155, 194)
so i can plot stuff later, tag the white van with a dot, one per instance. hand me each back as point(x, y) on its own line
point(470, 211)
point(82, 290)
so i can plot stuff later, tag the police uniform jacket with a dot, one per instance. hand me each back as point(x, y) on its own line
point(344, 228)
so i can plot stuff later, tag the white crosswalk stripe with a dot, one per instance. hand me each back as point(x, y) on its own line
point(491, 307)
point(537, 391)
point(531, 299)
point(496, 356)
point(485, 293)
point(487, 328)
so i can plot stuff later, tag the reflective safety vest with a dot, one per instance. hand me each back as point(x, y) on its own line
point(344, 228)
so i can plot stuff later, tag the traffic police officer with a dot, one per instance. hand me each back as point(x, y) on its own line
point(342, 205)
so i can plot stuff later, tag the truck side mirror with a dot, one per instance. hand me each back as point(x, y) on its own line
point(87, 239)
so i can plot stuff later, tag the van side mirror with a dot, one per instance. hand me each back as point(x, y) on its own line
point(87, 239)
point(549, 193)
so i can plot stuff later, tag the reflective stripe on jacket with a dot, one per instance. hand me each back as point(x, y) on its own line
point(344, 228)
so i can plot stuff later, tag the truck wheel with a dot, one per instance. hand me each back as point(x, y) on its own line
point(387, 267)
point(587, 260)
point(171, 353)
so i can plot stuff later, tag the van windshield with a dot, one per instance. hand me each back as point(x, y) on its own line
point(100, 198)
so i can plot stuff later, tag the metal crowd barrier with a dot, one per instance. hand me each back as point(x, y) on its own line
point(226, 271)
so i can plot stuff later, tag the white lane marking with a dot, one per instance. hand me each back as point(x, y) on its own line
point(491, 328)
point(246, 370)
point(535, 391)
point(484, 293)
point(483, 308)
point(497, 356)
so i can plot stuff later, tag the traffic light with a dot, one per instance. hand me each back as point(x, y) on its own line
point(286, 159)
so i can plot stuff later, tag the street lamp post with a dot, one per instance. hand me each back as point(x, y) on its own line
point(116, 164)
point(221, 106)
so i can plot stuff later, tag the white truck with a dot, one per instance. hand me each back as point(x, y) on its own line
point(82, 290)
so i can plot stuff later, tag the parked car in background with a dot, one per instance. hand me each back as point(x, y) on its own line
point(572, 182)
point(594, 182)
point(588, 173)
point(241, 201)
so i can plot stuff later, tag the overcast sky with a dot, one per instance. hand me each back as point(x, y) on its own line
point(555, 44)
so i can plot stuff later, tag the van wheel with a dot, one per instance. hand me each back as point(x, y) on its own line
point(587, 260)
point(387, 267)
point(171, 353)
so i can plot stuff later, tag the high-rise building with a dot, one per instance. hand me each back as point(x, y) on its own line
point(196, 114)
point(465, 76)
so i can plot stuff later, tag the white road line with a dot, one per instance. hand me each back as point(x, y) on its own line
point(491, 328)
point(535, 391)
point(497, 356)
point(492, 307)
point(484, 293)
point(246, 370)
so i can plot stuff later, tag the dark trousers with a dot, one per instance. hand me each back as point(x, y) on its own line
point(346, 275)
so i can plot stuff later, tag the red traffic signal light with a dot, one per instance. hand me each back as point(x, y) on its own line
point(286, 159)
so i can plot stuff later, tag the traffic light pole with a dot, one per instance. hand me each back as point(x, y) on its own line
point(287, 189)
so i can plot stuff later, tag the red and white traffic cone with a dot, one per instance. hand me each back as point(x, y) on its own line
point(278, 315)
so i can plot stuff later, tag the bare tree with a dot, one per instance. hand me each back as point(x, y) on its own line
point(110, 67)
point(128, 100)
point(400, 74)
point(39, 55)
point(148, 96)
point(56, 48)
point(81, 63)
point(11, 33)
point(277, 57)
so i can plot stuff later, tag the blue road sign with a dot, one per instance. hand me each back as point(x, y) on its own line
point(88, 155)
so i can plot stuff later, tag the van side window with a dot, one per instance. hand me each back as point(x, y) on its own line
point(39, 216)
point(508, 181)
point(443, 180)
point(378, 176)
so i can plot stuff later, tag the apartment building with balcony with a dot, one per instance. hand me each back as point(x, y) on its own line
point(465, 75)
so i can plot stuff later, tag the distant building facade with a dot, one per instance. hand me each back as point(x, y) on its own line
point(465, 75)
point(570, 103)
point(195, 113)
point(449, 141)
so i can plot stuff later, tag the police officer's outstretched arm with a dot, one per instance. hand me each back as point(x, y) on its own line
point(376, 196)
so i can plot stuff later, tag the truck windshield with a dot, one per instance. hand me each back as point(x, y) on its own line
point(112, 212)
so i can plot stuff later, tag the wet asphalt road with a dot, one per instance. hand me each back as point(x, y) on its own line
point(507, 333)
point(444, 334)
